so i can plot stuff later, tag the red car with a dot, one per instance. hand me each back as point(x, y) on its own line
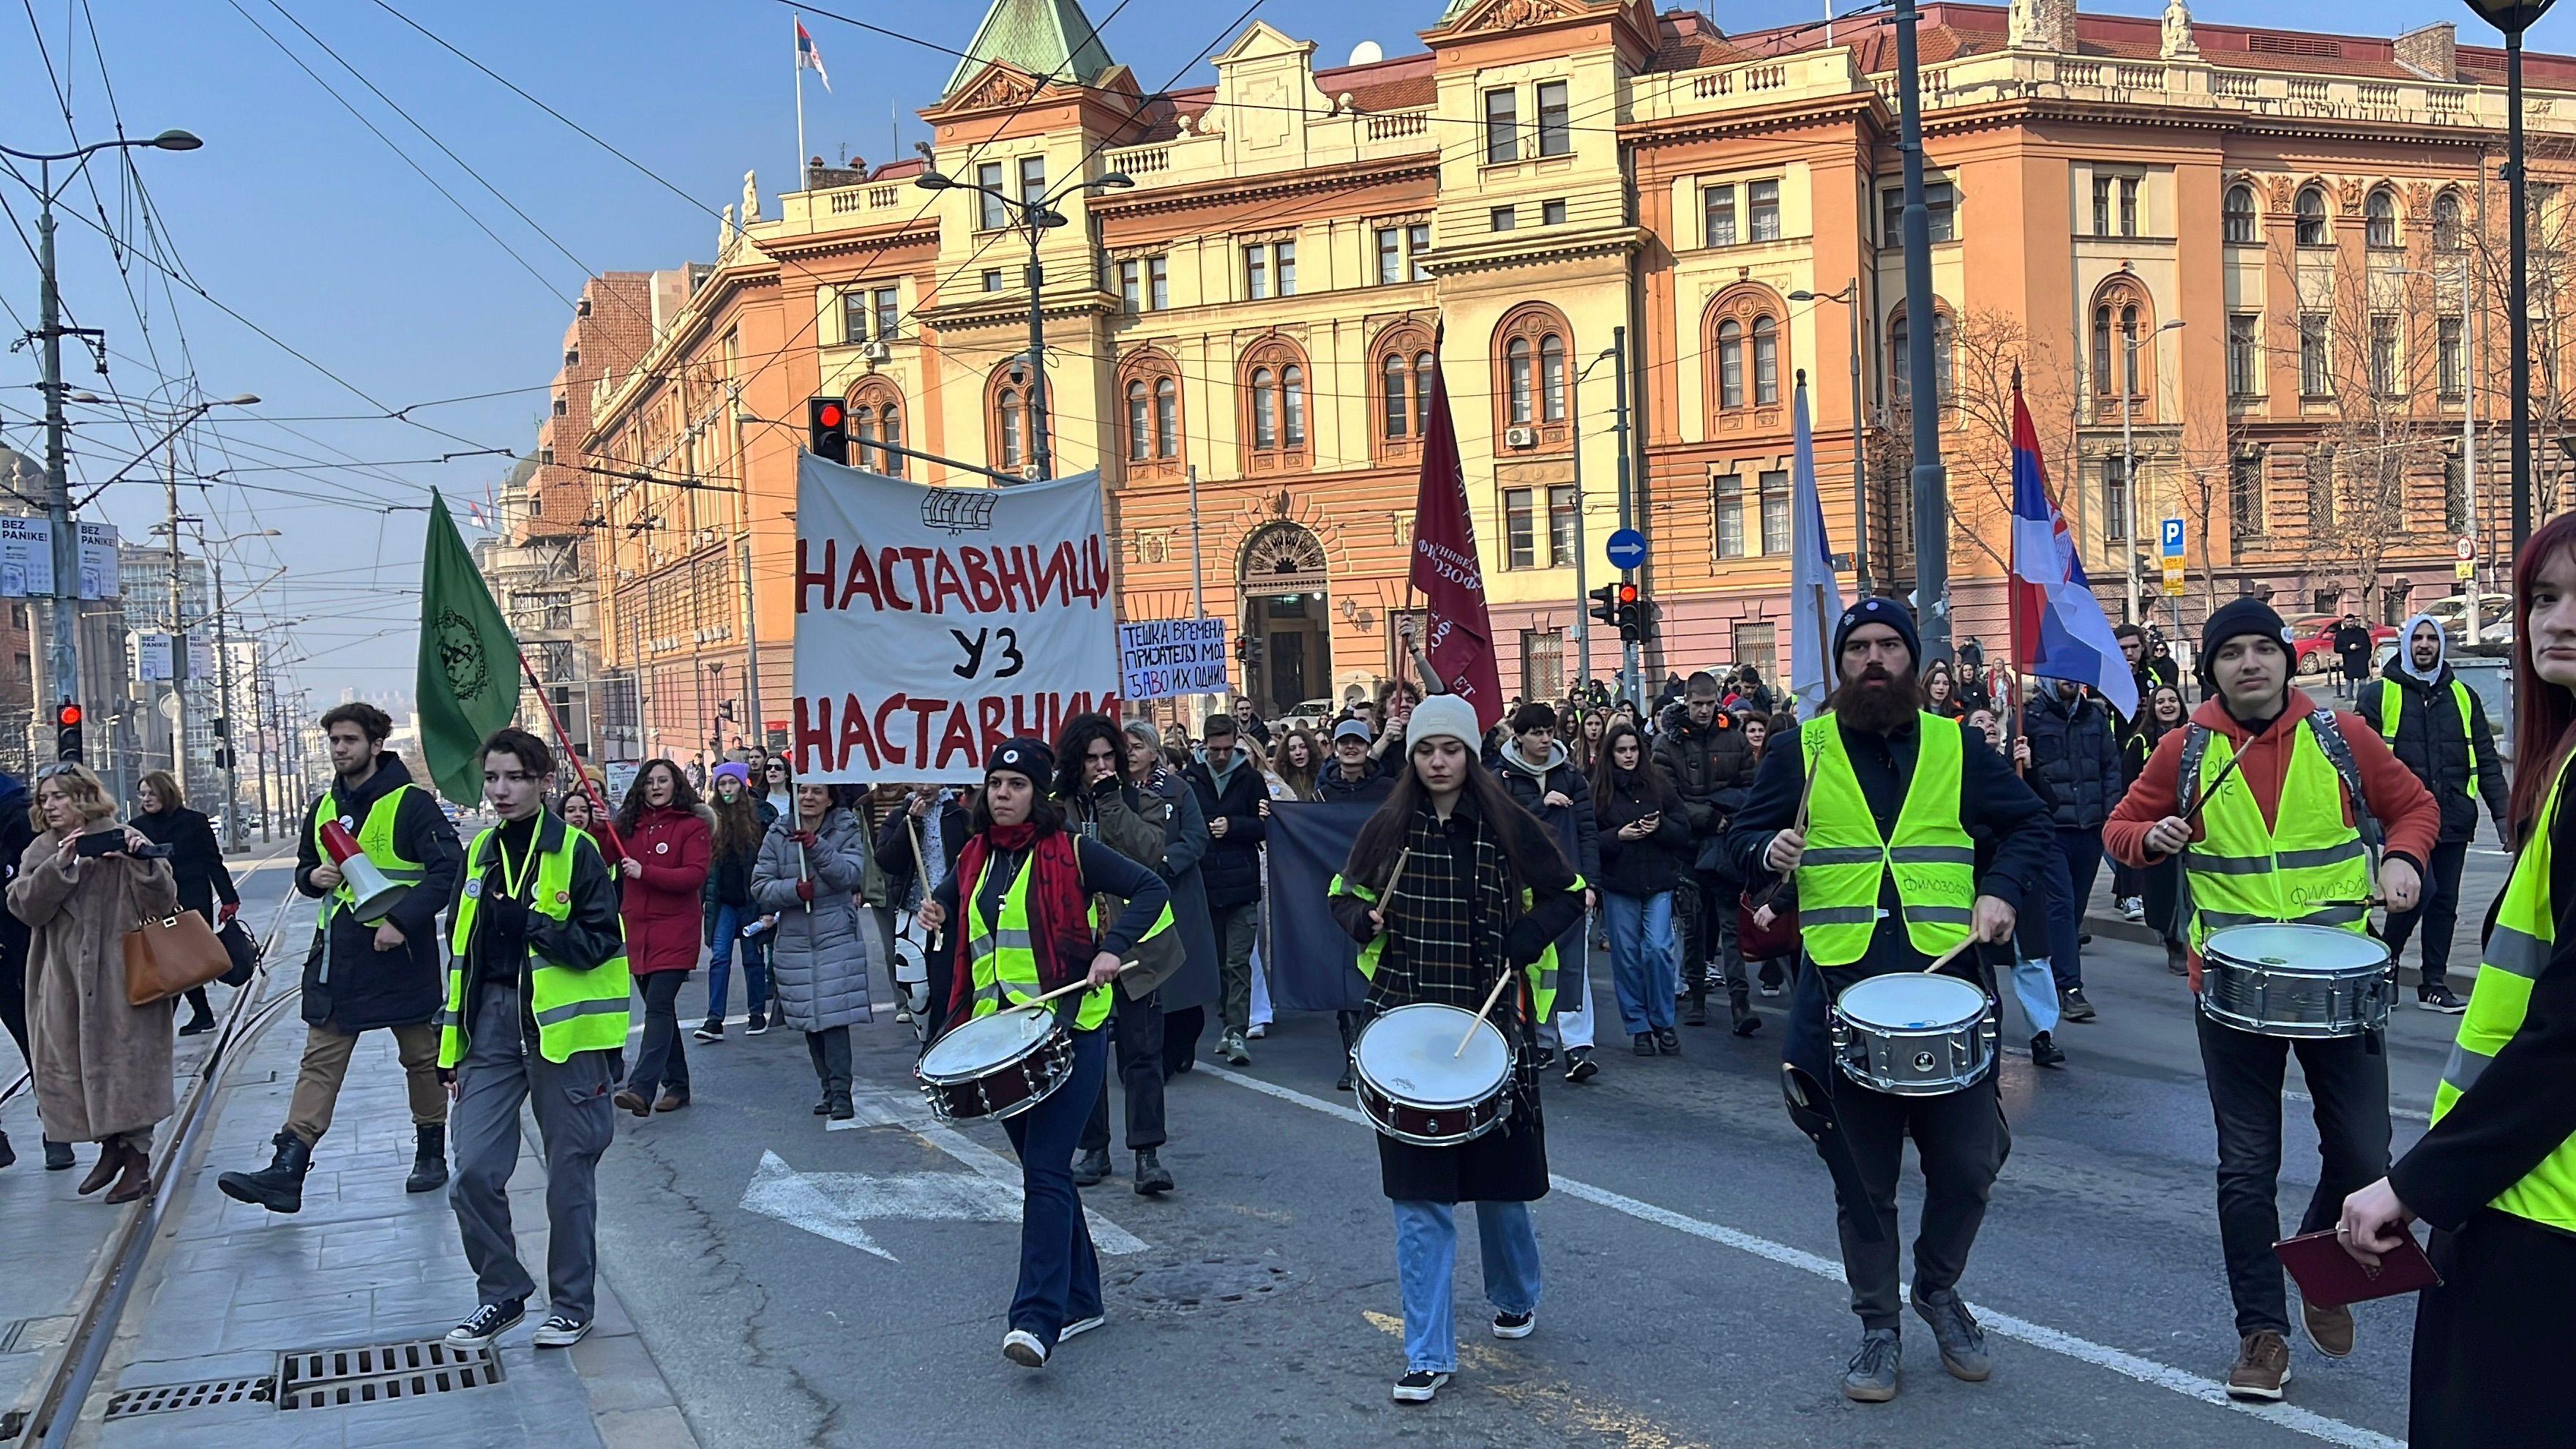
point(2316, 653)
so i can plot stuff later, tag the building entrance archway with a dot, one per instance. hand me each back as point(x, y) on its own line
point(1286, 629)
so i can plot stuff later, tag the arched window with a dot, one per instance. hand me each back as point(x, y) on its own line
point(2447, 235)
point(1395, 392)
point(1167, 418)
point(2310, 210)
point(1899, 374)
point(2102, 350)
point(1403, 371)
point(1010, 413)
point(1530, 351)
point(1742, 340)
point(2379, 219)
point(2129, 349)
point(1730, 364)
point(2236, 217)
point(2124, 319)
point(1766, 362)
point(1899, 370)
point(1424, 365)
point(1140, 421)
point(1274, 424)
point(876, 416)
point(1150, 390)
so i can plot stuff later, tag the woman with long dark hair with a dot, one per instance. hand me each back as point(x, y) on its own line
point(1485, 894)
point(1023, 885)
point(1941, 691)
point(1645, 848)
point(667, 846)
point(733, 922)
point(2496, 1174)
point(195, 860)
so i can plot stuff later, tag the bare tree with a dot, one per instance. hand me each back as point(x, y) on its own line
point(1989, 352)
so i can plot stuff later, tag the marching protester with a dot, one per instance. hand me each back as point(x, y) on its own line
point(1227, 775)
point(914, 850)
point(362, 976)
point(1894, 787)
point(1020, 897)
point(1101, 804)
point(822, 946)
point(536, 1014)
point(2074, 741)
point(1185, 844)
point(2495, 1176)
point(196, 861)
point(663, 845)
point(1940, 692)
point(101, 1066)
point(1542, 779)
point(1457, 920)
point(2437, 727)
point(1352, 774)
point(1297, 761)
point(1704, 753)
point(735, 930)
point(1644, 834)
point(18, 827)
point(2274, 806)
point(2160, 886)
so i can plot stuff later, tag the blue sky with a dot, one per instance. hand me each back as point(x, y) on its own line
point(301, 221)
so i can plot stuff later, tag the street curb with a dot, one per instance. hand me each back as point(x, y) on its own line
point(2120, 928)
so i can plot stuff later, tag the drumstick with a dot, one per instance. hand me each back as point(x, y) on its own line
point(1946, 957)
point(2223, 772)
point(1386, 898)
point(1490, 998)
point(1069, 988)
point(920, 868)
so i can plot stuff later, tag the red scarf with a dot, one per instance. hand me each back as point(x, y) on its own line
point(1059, 914)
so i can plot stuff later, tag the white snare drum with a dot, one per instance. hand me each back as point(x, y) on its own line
point(1914, 1035)
point(1416, 1085)
point(2292, 980)
point(995, 1066)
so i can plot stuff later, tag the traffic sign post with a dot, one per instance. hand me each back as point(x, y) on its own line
point(1627, 550)
point(2173, 538)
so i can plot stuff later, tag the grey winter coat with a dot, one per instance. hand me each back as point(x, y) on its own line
point(823, 951)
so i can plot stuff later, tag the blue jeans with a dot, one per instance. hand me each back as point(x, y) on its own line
point(1426, 1258)
point(1059, 1271)
point(1641, 959)
point(720, 956)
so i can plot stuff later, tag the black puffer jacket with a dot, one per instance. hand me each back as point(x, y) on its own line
point(2429, 742)
point(1232, 867)
point(1656, 863)
point(348, 983)
point(2074, 744)
point(1711, 766)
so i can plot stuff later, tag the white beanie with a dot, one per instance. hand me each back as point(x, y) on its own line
point(1439, 715)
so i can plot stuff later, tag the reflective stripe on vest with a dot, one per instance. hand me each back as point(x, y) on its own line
point(2517, 950)
point(576, 1010)
point(1005, 955)
point(1541, 973)
point(2392, 707)
point(1930, 857)
point(375, 836)
point(2310, 866)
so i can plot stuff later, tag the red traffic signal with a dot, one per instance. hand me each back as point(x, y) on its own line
point(829, 415)
point(67, 714)
point(1627, 593)
point(827, 431)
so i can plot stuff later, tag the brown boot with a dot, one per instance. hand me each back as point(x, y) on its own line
point(111, 1157)
point(2262, 1367)
point(136, 1179)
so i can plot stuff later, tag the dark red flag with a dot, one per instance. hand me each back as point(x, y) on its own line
point(1457, 634)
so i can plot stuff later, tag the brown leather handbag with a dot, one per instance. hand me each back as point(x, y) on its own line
point(167, 955)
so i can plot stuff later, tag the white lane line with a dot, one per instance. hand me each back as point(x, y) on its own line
point(2293, 1094)
point(880, 1108)
point(2128, 1365)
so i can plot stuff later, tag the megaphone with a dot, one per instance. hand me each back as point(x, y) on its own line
point(374, 895)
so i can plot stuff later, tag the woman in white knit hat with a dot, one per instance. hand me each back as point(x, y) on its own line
point(1485, 892)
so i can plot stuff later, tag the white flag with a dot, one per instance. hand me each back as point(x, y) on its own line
point(1815, 595)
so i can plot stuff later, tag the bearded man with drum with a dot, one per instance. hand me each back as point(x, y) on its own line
point(1884, 847)
point(2273, 805)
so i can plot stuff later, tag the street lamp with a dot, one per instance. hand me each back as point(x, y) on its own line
point(2129, 460)
point(1582, 594)
point(1036, 219)
point(1849, 296)
point(50, 329)
point(2513, 17)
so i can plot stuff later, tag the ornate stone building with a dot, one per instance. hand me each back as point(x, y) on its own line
point(1241, 339)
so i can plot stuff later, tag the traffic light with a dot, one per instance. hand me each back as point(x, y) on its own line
point(1605, 603)
point(67, 731)
point(827, 429)
point(1631, 614)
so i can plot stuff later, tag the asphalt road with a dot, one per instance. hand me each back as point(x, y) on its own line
point(846, 1287)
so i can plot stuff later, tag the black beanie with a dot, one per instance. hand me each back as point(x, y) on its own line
point(1879, 611)
point(1025, 757)
point(2233, 620)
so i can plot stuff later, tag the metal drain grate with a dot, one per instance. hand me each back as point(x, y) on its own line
point(204, 1393)
point(374, 1373)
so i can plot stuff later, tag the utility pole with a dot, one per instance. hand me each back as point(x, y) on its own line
point(260, 688)
point(1922, 316)
point(178, 636)
point(65, 653)
point(227, 750)
point(1628, 681)
point(755, 729)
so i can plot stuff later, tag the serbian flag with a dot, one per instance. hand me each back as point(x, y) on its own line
point(2059, 629)
point(808, 57)
point(1457, 633)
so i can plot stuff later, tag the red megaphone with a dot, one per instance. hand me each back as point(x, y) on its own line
point(373, 894)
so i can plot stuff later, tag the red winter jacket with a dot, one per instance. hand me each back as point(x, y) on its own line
point(662, 906)
point(2408, 818)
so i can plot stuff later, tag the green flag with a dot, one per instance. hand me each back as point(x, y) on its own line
point(469, 663)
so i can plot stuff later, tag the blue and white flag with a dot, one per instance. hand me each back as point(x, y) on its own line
point(1815, 595)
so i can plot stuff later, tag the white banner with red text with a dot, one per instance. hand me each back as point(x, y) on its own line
point(933, 624)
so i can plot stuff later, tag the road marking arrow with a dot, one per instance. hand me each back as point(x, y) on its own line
point(835, 1204)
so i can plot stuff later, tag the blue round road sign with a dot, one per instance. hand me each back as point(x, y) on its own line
point(1627, 549)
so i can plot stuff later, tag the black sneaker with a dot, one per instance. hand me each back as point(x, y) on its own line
point(2071, 1001)
point(2439, 998)
point(1668, 1041)
point(1962, 1342)
point(1419, 1386)
point(487, 1323)
point(710, 1029)
point(1579, 1065)
point(1091, 1168)
point(1646, 1044)
point(1870, 1378)
point(1546, 1060)
point(560, 1330)
point(760, 1022)
point(1342, 1083)
point(1515, 1325)
point(2046, 1053)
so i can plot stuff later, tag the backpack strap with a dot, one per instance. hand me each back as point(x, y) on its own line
point(2339, 751)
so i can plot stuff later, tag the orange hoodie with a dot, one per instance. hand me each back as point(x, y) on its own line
point(2408, 817)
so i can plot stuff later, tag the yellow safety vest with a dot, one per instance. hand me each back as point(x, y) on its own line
point(577, 1009)
point(375, 836)
point(1931, 858)
point(2516, 951)
point(1005, 955)
point(2392, 706)
point(1541, 972)
point(2310, 866)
